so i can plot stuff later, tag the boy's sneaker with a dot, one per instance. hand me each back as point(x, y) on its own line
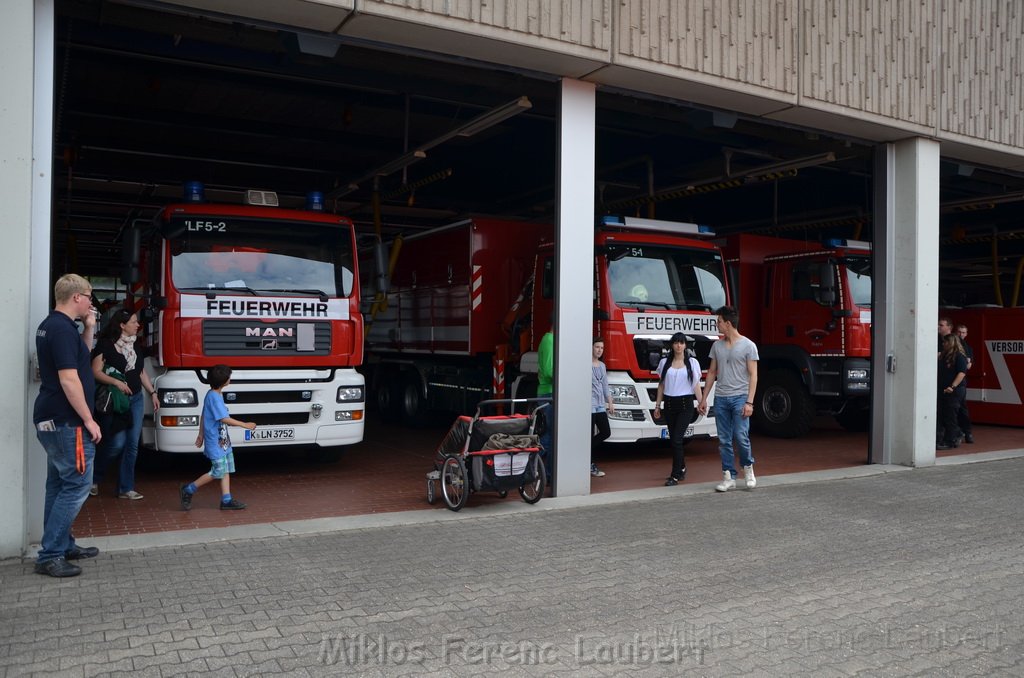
point(727, 483)
point(130, 494)
point(185, 497)
point(748, 475)
point(596, 472)
point(94, 490)
point(233, 505)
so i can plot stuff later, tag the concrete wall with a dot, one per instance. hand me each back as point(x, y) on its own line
point(878, 69)
point(16, 125)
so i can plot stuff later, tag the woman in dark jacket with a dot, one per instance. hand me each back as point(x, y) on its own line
point(116, 348)
point(952, 391)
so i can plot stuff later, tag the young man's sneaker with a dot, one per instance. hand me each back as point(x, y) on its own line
point(233, 505)
point(94, 490)
point(130, 494)
point(727, 483)
point(185, 497)
point(596, 472)
point(748, 475)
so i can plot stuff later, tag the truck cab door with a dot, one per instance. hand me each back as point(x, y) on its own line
point(806, 301)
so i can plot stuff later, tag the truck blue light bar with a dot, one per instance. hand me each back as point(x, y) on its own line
point(849, 244)
point(195, 191)
point(656, 225)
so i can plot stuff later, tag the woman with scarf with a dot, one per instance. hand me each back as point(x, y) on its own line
point(116, 349)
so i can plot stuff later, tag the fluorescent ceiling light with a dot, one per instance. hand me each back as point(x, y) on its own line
point(482, 122)
point(799, 163)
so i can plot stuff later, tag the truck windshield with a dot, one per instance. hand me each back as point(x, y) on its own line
point(260, 257)
point(858, 278)
point(654, 276)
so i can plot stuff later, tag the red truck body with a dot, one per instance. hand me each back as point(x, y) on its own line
point(274, 294)
point(995, 381)
point(468, 304)
point(807, 307)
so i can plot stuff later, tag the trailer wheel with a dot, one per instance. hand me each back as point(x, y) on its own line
point(387, 399)
point(454, 483)
point(534, 490)
point(413, 405)
point(782, 407)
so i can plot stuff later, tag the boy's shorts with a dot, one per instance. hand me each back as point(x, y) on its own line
point(223, 465)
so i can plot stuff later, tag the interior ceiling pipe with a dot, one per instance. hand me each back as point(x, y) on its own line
point(973, 204)
point(996, 284)
point(474, 126)
point(770, 172)
point(384, 170)
point(419, 183)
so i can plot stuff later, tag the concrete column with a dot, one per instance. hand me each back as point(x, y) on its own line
point(574, 271)
point(905, 302)
point(17, 31)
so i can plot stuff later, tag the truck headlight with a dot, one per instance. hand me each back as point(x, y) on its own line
point(183, 398)
point(857, 374)
point(624, 394)
point(350, 394)
point(190, 421)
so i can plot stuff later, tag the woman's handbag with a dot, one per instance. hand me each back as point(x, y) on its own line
point(119, 402)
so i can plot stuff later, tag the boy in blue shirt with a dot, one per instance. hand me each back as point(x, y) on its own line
point(215, 443)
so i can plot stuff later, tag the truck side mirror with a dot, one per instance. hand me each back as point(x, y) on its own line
point(131, 256)
point(827, 287)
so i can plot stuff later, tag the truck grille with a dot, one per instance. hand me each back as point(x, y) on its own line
point(251, 397)
point(277, 419)
point(249, 338)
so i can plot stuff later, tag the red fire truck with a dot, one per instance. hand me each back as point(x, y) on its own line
point(274, 294)
point(995, 382)
point(468, 304)
point(808, 308)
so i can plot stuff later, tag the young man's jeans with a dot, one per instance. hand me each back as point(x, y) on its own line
point(66, 488)
point(730, 422)
point(125, 443)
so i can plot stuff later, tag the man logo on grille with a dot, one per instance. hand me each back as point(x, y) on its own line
point(270, 344)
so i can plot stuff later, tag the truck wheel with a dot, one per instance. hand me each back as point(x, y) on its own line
point(413, 405)
point(854, 417)
point(387, 400)
point(782, 407)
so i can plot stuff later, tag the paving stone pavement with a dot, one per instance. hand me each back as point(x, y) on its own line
point(915, 573)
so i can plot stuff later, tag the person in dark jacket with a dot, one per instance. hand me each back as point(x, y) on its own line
point(963, 417)
point(952, 371)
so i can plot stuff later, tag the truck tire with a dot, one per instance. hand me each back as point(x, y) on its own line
point(782, 406)
point(854, 417)
point(387, 399)
point(413, 404)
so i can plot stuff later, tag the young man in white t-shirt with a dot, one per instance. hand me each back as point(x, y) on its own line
point(734, 367)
